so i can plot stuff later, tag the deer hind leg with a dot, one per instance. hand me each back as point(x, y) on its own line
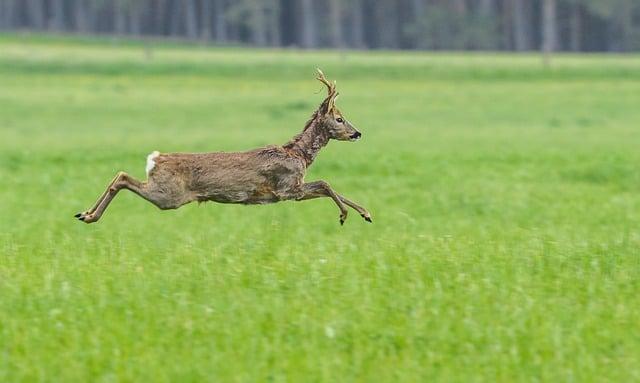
point(104, 194)
point(318, 189)
point(121, 181)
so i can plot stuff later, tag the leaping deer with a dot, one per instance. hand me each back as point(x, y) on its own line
point(265, 175)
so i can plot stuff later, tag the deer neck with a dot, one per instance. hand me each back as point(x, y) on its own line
point(308, 143)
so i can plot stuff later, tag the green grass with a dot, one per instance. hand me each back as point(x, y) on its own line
point(505, 196)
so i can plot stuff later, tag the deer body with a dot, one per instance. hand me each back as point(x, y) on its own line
point(265, 175)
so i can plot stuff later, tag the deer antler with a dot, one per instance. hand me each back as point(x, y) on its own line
point(331, 88)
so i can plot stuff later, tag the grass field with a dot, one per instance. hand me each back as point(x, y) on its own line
point(505, 196)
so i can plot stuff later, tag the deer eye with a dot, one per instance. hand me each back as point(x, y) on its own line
point(340, 120)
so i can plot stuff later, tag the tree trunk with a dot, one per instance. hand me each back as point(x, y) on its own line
point(387, 15)
point(134, 19)
point(521, 27)
point(36, 13)
point(91, 16)
point(487, 8)
point(119, 17)
point(357, 27)
point(174, 12)
point(417, 9)
point(159, 21)
point(506, 25)
point(549, 29)
point(459, 6)
point(335, 26)
point(80, 16)
point(191, 21)
point(221, 21)
point(7, 13)
point(620, 27)
point(575, 28)
point(489, 17)
point(461, 41)
point(56, 23)
point(274, 23)
point(258, 35)
point(308, 24)
point(4, 24)
point(205, 20)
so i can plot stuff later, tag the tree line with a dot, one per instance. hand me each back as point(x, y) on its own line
point(512, 25)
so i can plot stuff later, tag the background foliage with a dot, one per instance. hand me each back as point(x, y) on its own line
point(520, 25)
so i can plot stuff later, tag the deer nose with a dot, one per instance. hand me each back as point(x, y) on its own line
point(355, 135)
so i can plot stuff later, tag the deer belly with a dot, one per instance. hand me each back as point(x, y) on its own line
point(226, 196)
point(262, 195)
point(257, 196)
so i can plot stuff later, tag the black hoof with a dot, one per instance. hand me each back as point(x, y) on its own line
point(368, 219)
point(78, 215)
point(341, 221)
point(81, 218)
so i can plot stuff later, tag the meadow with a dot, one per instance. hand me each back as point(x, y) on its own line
point(505, 196)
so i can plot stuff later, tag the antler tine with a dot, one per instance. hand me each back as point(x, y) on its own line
point(330, 87)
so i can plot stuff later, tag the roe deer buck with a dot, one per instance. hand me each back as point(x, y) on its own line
point(264, 175)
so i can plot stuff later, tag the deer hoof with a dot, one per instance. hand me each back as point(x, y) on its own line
point(367, 218)
point(84, 213)
point(85, 217)
point(343, 217)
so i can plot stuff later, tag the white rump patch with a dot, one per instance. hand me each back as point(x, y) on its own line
point(150, 161)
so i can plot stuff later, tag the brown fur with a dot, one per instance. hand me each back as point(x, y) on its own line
point(265, 175)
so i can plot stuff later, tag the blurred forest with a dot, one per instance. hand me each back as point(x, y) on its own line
point(512, 25)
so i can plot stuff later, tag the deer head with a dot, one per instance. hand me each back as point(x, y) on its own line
point(331, 119)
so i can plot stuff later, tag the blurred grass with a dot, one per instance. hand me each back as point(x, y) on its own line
point(505, 196)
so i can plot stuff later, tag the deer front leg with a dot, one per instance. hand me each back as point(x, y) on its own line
point(318, 189)
point(362, 211)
